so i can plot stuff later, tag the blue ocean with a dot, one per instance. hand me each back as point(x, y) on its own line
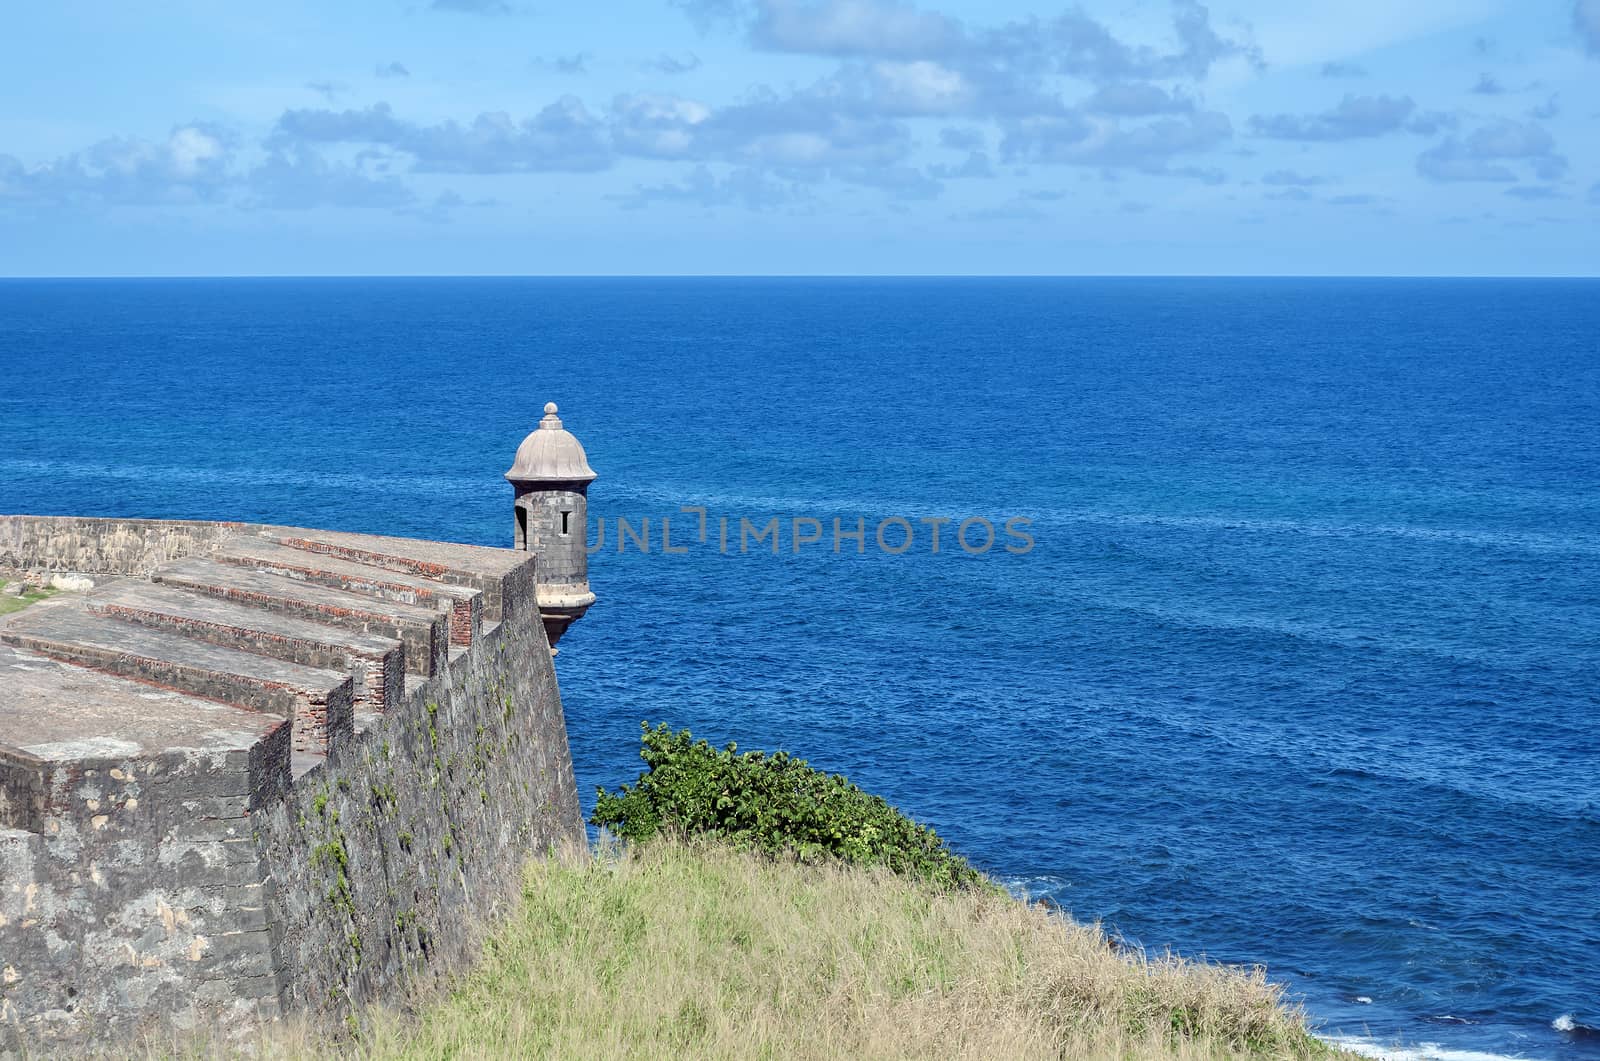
point(1291, 655)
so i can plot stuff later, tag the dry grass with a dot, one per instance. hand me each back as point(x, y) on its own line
point(677, 950)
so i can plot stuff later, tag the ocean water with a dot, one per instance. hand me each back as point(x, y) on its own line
point(1301, 669)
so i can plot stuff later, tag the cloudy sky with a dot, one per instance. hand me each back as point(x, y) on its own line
point(800, 136)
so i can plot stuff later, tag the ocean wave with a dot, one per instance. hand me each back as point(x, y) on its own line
point(886, 504)
point(1568, 1024)
point(1323, 634)
point(1042, 886)
point(672, 496)
point(1320, 764)
point(1381, 1051)
point(1515, 540)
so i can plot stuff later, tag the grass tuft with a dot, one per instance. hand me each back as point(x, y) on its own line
point(9, 604)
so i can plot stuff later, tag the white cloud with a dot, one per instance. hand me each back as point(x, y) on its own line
point(658, 126)
point(298, 178)
point(922, 86)
point(190, 148)
point(562, 136)
point(1352, 118)
point(1137, 98)
point(1085, 140)
point(192, 165)
point(1491, 152)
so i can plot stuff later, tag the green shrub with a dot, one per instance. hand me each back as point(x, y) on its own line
point(771, 803)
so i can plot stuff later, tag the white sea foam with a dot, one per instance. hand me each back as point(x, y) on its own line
point(1380, 1051)
point(1564, 1023)
point(1035, 887)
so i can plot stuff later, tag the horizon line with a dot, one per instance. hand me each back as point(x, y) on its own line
point(799, 276)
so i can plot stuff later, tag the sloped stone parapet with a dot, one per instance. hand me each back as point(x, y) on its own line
point(229, 786)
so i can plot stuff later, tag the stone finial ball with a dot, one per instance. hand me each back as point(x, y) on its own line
point(549, 408)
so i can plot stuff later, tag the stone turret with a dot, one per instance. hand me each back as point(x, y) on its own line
point(551, 476)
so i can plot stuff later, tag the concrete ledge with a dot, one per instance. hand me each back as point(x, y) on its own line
point(58, 716)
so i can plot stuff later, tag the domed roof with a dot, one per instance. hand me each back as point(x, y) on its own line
point(551, 455)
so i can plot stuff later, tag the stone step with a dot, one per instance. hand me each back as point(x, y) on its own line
point(376, 663)
point(415, 556)
point(464, 603)
point(59, 718)
point(477, 566)
point(424, 631)
point(321, 702)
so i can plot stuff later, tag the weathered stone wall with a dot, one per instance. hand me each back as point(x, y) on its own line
point(101, 546)
point(556, 528)
point(386, 856)
point(187, 880)
point(142, 893)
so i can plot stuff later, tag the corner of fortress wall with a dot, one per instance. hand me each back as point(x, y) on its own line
point(195, 875)
point(385, 858)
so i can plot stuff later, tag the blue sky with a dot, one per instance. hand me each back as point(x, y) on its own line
point(801, 136)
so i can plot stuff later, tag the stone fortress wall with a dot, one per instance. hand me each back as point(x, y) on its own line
point(260, 769)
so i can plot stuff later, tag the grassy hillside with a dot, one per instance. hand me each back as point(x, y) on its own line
point(693, 950)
